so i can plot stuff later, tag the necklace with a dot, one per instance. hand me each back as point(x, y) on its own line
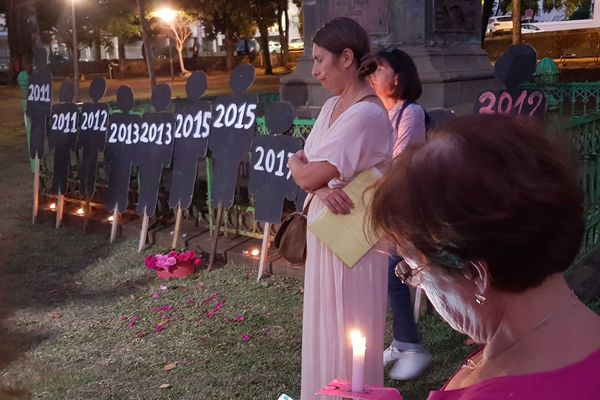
point(470, 364)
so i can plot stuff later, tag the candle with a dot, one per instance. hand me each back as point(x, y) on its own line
point(359, 345)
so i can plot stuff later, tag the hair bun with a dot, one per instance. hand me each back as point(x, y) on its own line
point(367, 66)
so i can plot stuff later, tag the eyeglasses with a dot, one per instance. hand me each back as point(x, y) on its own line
point(406, 274)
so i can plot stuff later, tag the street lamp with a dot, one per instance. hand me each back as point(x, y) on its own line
point(75, 52)
point(168, 15)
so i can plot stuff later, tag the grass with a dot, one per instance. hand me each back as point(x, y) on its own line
point(68, 300)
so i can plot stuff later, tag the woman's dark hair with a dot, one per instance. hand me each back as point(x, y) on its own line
point(489, 188)
point(344, 33)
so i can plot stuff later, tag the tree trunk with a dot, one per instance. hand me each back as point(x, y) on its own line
point(486, 13)
point(184, 71)
point(264, 44)
point(516, 19)
point(229, 48)
point(122, 59)
point(282, 14)
point(23, 32)
point(146, 39)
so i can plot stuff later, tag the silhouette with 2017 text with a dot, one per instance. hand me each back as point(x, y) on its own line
point(270, 178)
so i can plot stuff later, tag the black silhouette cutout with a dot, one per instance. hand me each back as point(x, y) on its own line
point(63, 135)
point(39, 102)
point(123, 134)
point(231, 134)
point(270, 178)
point(154, 148)
point(515, 67)
point(92, 135)
point(192, 130)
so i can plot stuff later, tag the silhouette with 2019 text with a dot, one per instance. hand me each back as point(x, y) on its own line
point(120, 153)
point(62, 136)
point(515, 67)
point(231, 134)
point(192, 130)
point(154, 148)
point(270, 178)
point(39, 102)
point(92, 136)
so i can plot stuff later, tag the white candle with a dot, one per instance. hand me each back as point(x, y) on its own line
point(359, 345)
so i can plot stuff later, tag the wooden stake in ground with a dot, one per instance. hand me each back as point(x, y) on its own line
point(418, 300)
point(144, 232)
point(115, 224)
point(36, 190)
point(60, 205)
point(211, 260)
point(264, 250)
point(86, 215)
point(177, 231)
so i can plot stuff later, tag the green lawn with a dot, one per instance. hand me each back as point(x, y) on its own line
point(78, 321)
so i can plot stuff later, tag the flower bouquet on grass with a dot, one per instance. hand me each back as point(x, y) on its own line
point(173, 265)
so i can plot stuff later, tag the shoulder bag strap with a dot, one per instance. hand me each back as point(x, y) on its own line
point(406, 104)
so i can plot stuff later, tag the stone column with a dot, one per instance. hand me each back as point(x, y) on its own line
point(441, 35)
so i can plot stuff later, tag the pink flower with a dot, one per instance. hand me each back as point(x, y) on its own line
point(245, 338)
point(164, 262)
point(239, 318)
point(159, 327)
point(166, 308)
point(218, 307)
point(140, 334)
point(210, 298)
point(131, 324)
point(210, 314)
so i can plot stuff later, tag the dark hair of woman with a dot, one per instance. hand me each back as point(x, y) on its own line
point(485, 188)
point(344, 33)
point(409, 85)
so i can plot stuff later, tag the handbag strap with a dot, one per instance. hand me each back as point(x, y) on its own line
point(305, 211)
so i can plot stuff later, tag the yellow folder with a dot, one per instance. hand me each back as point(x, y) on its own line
point(350, 236)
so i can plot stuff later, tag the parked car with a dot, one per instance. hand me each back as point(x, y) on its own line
point(247, 46)
point(274, 47)
point(502, 24)
point(530, 28)
point(296, 44)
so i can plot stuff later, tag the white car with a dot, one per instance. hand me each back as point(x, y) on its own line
point(296, 44)
point(530, 28)
point(499, 24)
point(503, 24)
point(274, 47)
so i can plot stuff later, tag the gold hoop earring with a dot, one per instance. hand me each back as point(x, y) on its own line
point(479, 299)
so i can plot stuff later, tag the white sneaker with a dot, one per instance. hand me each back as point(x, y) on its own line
point(409, 364)
point(390, 355)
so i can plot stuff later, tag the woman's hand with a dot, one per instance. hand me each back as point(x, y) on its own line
point(336, 200)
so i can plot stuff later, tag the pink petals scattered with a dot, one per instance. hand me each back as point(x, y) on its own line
point(166, 308)
point(159, 327)
point(238, 319)
point(245, 338)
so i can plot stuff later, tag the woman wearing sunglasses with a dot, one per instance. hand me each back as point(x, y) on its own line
point(396, 82)
point(487, 215)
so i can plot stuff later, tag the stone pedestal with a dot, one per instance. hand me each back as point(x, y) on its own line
point(441, 35)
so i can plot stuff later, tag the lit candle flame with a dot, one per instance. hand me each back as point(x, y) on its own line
point(80, 211)
point(111, 219)
point(53, 206)
point(255, 252)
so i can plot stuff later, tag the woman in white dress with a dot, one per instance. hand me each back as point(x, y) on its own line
point(352, 134)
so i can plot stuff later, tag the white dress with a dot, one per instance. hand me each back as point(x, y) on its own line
point(338, 299)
